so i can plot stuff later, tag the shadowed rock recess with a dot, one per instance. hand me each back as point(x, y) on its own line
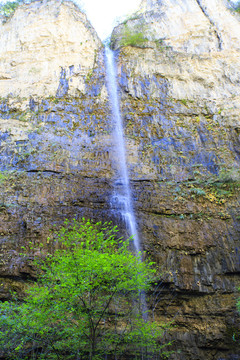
point(179, 84)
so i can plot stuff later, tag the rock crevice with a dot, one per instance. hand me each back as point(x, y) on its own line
point(204, 10)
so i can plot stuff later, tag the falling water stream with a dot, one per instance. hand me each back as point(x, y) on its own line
point(122, 199)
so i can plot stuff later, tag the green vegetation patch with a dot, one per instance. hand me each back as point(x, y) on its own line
point(215, 189)
point(237, 7)
point(9, 7)
point(4, 175)
point(87, 303)
point(133, 37)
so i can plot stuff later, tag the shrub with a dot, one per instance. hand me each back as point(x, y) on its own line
point(132, 37)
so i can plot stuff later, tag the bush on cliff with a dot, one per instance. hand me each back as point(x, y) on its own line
point(86, 304)
point(133, 37)
point(6, 9)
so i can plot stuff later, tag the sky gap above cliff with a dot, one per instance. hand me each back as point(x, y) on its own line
point(103, 14)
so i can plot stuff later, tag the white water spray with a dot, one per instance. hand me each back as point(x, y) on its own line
point(123, 200)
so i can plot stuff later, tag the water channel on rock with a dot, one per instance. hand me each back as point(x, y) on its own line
point(122, 200)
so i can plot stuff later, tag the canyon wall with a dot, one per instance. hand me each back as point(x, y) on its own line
point(180, 100)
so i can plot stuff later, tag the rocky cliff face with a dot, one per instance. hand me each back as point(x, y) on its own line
point(192, 26)
point(43, 44)
point(54, 127)
point(180, 102)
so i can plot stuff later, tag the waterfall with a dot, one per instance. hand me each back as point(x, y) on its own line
point(122, 199)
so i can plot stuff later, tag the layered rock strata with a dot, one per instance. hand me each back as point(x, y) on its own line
point(181, 105)
point(180, 102)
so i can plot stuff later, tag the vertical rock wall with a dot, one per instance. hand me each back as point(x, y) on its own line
point(55, 131)
point(180, 103)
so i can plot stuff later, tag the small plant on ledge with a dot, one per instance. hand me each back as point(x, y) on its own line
point(133, 37)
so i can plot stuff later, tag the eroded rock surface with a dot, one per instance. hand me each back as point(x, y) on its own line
point(180, 102)
point(54, 130)
point(46, 49)
point(192, 26)
point(181, 106)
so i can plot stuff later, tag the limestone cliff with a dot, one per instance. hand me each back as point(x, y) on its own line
point(192, 26)
point(180, 99)
point(43, 43)
point(54, 127)
point(181, 103)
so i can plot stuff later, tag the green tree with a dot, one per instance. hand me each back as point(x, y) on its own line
point(86, 303)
